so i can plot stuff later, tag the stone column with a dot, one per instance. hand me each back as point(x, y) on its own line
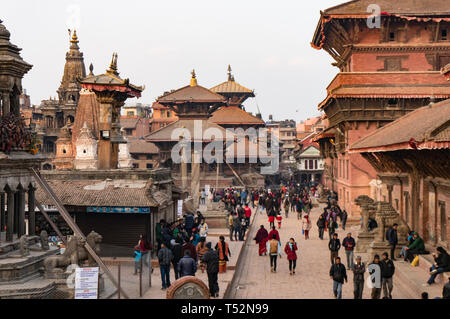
point(31, 212)
point(5, 102)
point(10, 222)
point(21, 213)
point(195, 183)
point(2, 212)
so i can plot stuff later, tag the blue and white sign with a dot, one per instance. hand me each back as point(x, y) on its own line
point(116, 209)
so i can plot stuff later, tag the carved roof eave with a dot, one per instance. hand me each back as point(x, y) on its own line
point(385, 48)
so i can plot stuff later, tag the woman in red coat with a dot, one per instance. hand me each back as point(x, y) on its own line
point(290, 250)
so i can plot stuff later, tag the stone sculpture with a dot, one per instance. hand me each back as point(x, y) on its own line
point(44, 240)
point(23, 246)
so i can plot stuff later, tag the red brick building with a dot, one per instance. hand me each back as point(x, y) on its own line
point(385, 73)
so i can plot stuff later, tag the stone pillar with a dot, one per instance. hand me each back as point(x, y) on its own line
point(5, 103)
point(195, 183)
point(31, 212)
point(2, 212)
point(16, 213)
point(21, 213)
point(10, 222)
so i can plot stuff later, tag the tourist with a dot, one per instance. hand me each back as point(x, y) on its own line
point(224, 252)
point(247, 213)
point(201, 249)
point(195, 238)
point(306, 225)
point(446, 290)
point(176, 251)
point(410, 241)
point(349, 245)
point(275, 232)
point(286, 206)
point(137, 259)
point(211, 260)
point(416, 248)
point(202, 197)
point(279, 219)
point(375, 275)
point(274, 249)
point(290, 250)
point(441, 264)
point(392, 238)
point(387, 271)
point(271, 216)
point(236, 227)
point(261, 238)
point(203, 228)
point(187, 266)
point(165, 257)
point(334, 245)
point(358, 268)
point(144, 246)
point(344, 217)
point(338, 274)
point(321, 226)
point(244, 226)
point(188, 246)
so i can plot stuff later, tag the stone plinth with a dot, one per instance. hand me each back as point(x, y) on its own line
point(188, 287)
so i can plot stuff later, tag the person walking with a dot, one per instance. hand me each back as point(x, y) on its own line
point(187, 266)
point(201, 249)
point(375, 274)
point(211, 260)
point(338, 274)
point(344, 217)
point(334, 245)
point(137, 259)
point(271, 217)
point(261, 238)
point(144, 246)
point(247, 213)
point(392, 238)
point(236, 227)
point(387, 271)
point(224, 252)
point(290, 250)
point(165, 257)
point(274, 248)
point(231, 224)
point(321, 226)
point(349, 245)
point(286, 206)
point(176, 251)
point(358, 268)
point(203, 229)
point(306, 225)
point(279, 219)
point(275, 232)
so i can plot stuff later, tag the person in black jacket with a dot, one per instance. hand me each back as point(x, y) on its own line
point(387, 271)
point(338, 274)
point(176, 251)
point(446, 290)
point(441, 265)
point(391, 236)
point(321, 226)
point(187, 266)
point(359, 268)
point(334, 245)
point(211, 259)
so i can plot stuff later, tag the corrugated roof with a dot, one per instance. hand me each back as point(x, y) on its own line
point(424, 125)
point(99, 193)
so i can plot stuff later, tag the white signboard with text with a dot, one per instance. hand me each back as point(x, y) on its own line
point(180, 208)
point(86, 283)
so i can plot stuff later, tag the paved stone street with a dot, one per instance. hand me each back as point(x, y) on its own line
point(311, 280)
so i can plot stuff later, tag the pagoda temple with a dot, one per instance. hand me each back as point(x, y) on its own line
point(385, 73)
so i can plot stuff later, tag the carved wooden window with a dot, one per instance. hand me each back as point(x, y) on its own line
point(443, 34)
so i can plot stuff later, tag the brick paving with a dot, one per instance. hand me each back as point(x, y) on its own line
point(311, 280)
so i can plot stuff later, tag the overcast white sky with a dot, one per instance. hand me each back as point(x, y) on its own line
point(159, 42)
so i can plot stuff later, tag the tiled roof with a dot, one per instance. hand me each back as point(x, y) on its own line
point(190, 93)
point(428, 126)
point(140, 146)
point(234, 115)
point(231, 87)
point(165, 133)
point(128, 122)
point(405, 7)
point(100, 193)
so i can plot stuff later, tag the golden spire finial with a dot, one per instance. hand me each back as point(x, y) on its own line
point(113, 66)
point(230, 77)
point(193, 78)
point(74, 37)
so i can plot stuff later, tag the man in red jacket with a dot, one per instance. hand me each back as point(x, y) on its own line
point(247, 213)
